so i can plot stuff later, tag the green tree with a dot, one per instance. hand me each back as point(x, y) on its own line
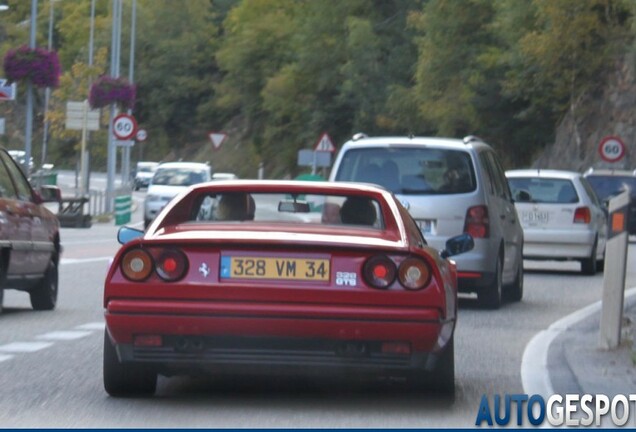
point(175, 72)
point(454, 35)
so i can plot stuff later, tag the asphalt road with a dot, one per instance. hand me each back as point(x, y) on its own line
point(50, 362)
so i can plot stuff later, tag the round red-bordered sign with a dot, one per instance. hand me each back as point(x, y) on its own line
point(124, 126)
point(611, 149)
point(141, 135)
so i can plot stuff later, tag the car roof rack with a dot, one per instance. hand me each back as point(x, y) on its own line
point(359, 136)
point(471, 138)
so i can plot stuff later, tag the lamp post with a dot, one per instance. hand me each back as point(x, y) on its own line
point(131, 67)
point(111, 161)
point(47, 92)
point(29, 114)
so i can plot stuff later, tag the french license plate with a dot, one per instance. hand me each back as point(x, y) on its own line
point(535, 217)
point(283, 268)
point(427, 226)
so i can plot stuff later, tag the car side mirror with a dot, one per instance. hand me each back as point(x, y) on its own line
point(50, 193)
point(126, 234)
point(458, 245)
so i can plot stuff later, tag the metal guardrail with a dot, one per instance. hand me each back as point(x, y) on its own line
point(97, 200)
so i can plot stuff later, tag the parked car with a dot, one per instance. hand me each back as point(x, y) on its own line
point(20, 157)
point(289, 277)
point(224, 176)
point(561, 216)
point(608, 183)
point(143, 174)
point(29, 237)
point(169, 180)
point(450, 186)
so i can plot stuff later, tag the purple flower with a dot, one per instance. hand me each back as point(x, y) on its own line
point(107, 90)
point(40, 66)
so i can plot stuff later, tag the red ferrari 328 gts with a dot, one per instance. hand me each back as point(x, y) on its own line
point(287, 277)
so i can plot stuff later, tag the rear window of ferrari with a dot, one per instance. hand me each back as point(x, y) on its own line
point(354, 210)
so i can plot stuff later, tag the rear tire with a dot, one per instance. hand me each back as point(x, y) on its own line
point(120, 379)
point(588, 265)
point(441, 379)
point(3, 280)
point(515, 290)
point(489, 296)
point(600, 264)
point(44, 294)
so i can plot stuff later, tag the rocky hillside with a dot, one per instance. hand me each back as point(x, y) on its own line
point(612, 111)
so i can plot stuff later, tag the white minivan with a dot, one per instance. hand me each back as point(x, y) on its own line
point(450, 187)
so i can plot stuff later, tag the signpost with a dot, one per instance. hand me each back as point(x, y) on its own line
point(217, 138)
point(80, 117)
point(141, 135)
point(8, 91)
point(614, 272)
point(325, 144)
point(124, 126)
point(611, 149)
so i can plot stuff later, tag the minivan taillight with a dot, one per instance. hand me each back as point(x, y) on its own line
point(477, 222)
point(582, 215)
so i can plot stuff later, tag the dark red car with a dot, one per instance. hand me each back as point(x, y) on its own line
point(285, 277)
point(29, 237)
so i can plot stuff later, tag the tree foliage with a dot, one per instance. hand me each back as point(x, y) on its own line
point(275, 74)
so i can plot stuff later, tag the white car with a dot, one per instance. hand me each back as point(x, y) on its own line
point(169, 180)
point(224, 176)
point(144, 173)
point(20, 156)
point(561, 216)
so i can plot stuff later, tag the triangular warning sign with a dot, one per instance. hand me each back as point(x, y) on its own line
point(325, 144)
point(217, 138)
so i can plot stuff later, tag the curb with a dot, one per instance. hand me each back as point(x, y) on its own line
point(535, 374)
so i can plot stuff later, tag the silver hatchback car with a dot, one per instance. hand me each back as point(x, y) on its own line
point(561, 216)
point(449, 186)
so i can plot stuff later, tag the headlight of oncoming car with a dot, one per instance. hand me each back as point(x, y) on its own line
point(152, 198)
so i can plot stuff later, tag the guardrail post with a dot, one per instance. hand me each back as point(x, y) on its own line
point(614, 273)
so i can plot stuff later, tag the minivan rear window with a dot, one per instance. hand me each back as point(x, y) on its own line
point(410, 171)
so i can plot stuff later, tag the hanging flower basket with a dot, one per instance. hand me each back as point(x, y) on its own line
point(107, 90)
point(37, 65)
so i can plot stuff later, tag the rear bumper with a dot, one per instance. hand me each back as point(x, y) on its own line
point(554, 244)
point(276, 338)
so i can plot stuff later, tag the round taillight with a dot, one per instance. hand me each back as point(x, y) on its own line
point(171, 264)
point(379, 272)
point(414, 273)
point(136, 265)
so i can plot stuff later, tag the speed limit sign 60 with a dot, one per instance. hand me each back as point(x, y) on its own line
point(611, 149)
point(124, 126)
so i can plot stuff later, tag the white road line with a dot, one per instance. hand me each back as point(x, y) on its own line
point(92, 326)
point(81, 242)
point(25, 347)
point(79, 332)
point(84, 260)
point(64, 335)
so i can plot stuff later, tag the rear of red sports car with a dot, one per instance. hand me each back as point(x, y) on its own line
point(298, 294)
